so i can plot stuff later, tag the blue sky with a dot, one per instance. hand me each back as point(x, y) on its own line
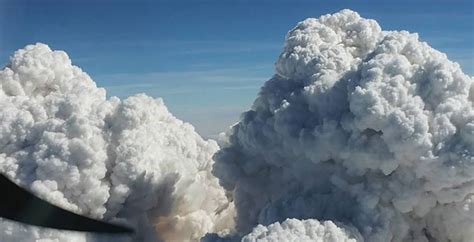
point(207, 59)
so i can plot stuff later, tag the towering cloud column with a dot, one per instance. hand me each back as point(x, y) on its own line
point(127, 160)
point(370, 129)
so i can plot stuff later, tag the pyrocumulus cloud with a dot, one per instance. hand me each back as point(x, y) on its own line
point(124, 160)
point(372, 130)
point(361, 135)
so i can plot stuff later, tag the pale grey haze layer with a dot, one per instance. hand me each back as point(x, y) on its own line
point(360, 135)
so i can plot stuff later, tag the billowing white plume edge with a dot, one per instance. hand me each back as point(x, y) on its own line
point(362, 134)
point(107, 159)
point(367, 128)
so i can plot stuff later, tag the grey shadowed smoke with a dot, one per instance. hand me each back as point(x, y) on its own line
point(370, 129)
point(362, 134)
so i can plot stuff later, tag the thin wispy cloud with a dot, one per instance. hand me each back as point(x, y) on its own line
point(227, 78)
point(181, 48)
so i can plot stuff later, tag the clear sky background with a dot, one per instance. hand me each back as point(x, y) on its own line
point(207, 59)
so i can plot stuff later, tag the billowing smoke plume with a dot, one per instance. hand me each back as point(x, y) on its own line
point(301, 231)
point(362, 134)
point(370, 129)
point(128, 161)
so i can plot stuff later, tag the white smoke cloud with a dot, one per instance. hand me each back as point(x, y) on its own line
point(367, 128)
point(370, 132)
point(109, 159)
point(302, 231)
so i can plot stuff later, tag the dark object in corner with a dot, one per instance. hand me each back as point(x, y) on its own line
point(20, 205)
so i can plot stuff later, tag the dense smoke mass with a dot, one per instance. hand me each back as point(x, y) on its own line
point(127, 160)
point(361, 135)
point(302, 231)
point(363, 128)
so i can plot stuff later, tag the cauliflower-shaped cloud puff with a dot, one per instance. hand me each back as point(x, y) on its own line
point(302, 231)
point(367, 128)
point(127, 160)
